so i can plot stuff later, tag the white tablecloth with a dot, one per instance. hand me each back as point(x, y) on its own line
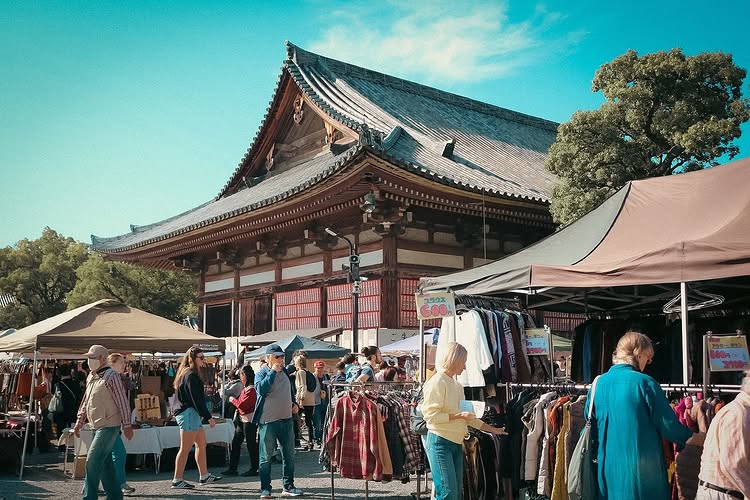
point(144, 441)
point(221, 433)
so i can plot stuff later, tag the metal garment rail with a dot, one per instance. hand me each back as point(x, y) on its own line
point(365, 385)
point(690, 388)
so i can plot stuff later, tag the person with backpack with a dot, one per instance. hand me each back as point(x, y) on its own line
point(244, 428)
point(273, 415)
point(373, 358)
point(188, 385)
point(307, 385)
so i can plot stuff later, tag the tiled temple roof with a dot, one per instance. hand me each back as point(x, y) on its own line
point(435, 134)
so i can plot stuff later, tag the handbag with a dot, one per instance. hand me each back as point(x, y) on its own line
point(583, 481)
point(56, 403)
point(418, 425)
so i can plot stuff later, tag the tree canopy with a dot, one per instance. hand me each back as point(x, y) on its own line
point(664, 113)
point(169, 294)
point(38, 274)
point(48, 275)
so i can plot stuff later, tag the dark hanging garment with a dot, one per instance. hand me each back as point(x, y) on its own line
point(523, 373)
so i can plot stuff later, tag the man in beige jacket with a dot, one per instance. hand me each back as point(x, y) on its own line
point(106, 408)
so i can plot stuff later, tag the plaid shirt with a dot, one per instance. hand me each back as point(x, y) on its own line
point(726, 452)
point(353, 437)
point(401, 410)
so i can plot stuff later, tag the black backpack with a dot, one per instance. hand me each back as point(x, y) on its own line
point(310, 381)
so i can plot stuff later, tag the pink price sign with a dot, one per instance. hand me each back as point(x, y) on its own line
point(728, 353)
point(435, 305)
point(537, 342)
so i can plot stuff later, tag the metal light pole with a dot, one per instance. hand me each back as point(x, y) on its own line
point(354, 278)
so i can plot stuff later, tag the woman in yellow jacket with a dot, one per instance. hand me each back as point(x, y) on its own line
point(446, 425)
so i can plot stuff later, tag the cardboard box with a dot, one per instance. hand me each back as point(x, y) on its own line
point(79, 467)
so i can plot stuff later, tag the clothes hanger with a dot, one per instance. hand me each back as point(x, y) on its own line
point(701, 300)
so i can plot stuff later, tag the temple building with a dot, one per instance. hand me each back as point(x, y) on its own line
point(421, 181)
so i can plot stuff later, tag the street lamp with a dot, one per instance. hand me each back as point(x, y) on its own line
point(356, 282)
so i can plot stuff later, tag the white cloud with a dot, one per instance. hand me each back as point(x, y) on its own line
point(446, 42)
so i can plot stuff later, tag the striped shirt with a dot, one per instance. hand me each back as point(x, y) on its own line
point(726, 452)
point(113, 381)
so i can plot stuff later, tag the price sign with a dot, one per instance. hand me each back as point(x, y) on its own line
point(537, 342)
point(728, 353)
point(435, 305)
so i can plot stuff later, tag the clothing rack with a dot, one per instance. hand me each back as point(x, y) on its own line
point(690, 388)
point(488, 301)
point(366, 385)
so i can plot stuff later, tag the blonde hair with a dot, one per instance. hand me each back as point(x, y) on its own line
point(300, 362)
point(629, 347)
point(188, 366)
point(454, 354)
point(114, 358)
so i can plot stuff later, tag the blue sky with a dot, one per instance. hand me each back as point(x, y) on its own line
point(114, 113)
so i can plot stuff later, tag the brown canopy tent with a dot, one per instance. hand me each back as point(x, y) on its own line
point(680, 228)
point(692, 227)
point(109, 323)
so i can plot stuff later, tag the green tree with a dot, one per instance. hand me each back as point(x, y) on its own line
point(38, 274)
point(165, 293)
point(664, 113)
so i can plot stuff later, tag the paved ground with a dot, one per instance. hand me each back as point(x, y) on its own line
point(44, 479)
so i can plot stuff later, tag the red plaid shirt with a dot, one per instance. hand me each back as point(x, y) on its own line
point(353, 437)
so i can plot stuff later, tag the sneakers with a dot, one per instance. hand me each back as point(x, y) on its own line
point(265, 494)
point(230, 472)
point(292, 492)
point(182, 485)
point(210, 479)
point(127, 489)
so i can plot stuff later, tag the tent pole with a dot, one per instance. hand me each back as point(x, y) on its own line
point(28, 418)
point(224, 382)
point(684, 320)
point(422, 353)
point(231, 332)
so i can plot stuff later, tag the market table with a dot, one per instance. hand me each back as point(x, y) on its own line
point(152, 440)
point(145, 441)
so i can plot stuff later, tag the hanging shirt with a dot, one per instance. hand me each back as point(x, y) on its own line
point(509, 350)
point(469, 333)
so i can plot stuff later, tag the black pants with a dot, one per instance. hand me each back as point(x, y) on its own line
point(308, 412)
point(244, 431)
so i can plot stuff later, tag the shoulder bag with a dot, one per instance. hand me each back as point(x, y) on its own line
point(583, 481)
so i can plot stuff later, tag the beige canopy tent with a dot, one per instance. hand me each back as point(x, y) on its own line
point(684, 228)
point(109, 323)
point(112, 324)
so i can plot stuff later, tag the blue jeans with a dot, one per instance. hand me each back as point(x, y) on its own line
point(100, 466)
point(119, 456)
point(318, 419)
point(447, 466)
point(283, 432)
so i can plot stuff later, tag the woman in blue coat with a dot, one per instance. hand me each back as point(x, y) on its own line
point(631, 415)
